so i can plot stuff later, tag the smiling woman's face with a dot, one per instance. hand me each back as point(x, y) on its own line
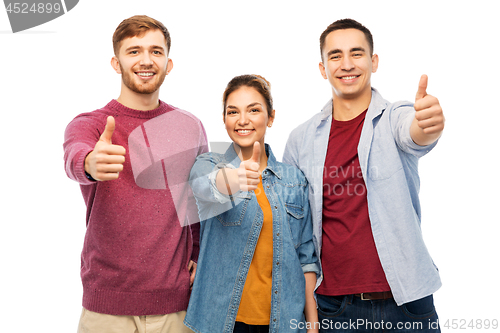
point(246, 117)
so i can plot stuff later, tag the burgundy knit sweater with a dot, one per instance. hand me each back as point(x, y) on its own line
point(140, 237)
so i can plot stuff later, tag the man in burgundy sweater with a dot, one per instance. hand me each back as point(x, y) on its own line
point(132, 159)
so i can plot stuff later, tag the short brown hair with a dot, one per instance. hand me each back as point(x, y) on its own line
point(137, 26)
point(342, 25)
point(258, 82)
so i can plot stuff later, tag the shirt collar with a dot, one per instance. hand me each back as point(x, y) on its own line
point(377, 105)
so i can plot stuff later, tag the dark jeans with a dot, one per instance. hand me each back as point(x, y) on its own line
point(351, 314)
point(244, 328)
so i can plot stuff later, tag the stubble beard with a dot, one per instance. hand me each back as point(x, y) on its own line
point(146, 88)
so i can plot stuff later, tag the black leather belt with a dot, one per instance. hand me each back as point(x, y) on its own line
point(374, 296)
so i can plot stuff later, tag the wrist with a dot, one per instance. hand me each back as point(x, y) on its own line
point(86, 167)
point(227, 181)
point(89, 177)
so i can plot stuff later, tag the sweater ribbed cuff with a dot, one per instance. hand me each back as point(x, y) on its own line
point(80, 168)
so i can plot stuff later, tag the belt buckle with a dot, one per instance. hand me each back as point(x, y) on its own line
point(363, 297)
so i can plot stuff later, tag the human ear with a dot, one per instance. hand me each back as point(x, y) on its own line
point(170, 65)
point(115, 63)
point(374, 63)
point(271, 118)
point(322, 70)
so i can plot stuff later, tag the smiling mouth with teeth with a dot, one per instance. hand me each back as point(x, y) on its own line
point(145, 74)
point(244, 131)
point(348, 77)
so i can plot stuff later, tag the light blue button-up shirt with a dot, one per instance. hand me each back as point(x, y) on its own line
point(388, 159)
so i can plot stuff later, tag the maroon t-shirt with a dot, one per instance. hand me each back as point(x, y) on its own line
point(349, 257)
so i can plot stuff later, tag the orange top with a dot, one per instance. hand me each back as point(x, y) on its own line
point(255, 304)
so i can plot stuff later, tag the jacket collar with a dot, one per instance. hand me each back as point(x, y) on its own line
point(272, 163)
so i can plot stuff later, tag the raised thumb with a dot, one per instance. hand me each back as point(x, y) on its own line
point(108, 130)
point(422, 88)
point(256, 153)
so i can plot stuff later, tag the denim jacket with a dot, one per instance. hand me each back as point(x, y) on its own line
point(388, 158)
point(230, 228)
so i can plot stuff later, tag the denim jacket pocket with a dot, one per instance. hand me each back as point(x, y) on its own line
point(233, 215)
point(294, 217)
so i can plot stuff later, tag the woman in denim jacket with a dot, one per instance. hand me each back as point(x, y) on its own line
point(257, 266)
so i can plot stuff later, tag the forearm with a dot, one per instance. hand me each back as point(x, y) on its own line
point(310, 310)
point(80, 138)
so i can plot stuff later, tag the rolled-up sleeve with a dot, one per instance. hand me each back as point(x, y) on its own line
point(202, 179)
point(307, 255)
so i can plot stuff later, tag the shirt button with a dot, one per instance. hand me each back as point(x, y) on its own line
point(275, 207)
point(278, 263)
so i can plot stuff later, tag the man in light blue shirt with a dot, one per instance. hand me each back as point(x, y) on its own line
point(360, 156)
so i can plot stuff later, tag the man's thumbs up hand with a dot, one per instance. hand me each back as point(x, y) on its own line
point(429, 118)
point(106, 160)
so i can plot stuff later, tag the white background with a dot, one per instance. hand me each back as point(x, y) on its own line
point(53, 72)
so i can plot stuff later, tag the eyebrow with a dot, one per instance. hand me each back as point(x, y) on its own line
point(354, 49)
point(248, 106)
point(137, 47)
point(253, 104)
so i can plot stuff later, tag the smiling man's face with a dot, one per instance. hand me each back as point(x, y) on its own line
point(143, 62)
point(347, 63)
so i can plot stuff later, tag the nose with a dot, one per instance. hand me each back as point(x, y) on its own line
point(347, 63)
point(243, 119)
point(146, 59)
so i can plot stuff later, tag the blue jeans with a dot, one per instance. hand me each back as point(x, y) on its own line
point(351, 314)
